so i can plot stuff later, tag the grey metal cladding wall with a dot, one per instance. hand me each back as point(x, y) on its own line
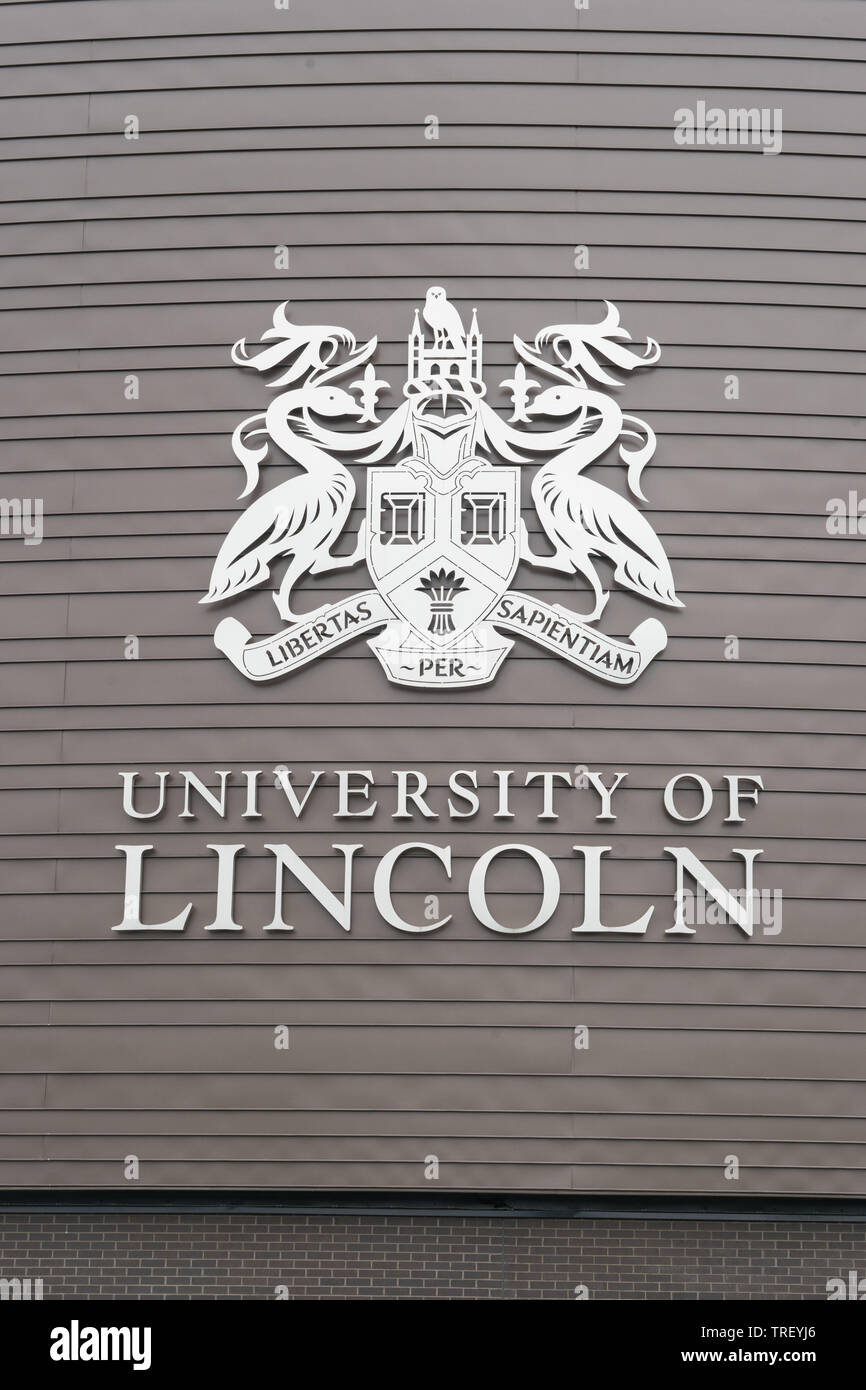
point(262, 127)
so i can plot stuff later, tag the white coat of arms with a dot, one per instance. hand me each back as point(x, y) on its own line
point(443, 534)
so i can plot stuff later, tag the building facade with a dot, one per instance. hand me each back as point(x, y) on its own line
point(432, 660)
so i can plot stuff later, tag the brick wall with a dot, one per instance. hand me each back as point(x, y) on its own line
point(183, 1255)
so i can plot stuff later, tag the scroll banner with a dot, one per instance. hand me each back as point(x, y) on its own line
point(612, 658)
point(304, 641)
point(619, 661)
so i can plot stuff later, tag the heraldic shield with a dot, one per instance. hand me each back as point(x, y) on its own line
point(442, 551)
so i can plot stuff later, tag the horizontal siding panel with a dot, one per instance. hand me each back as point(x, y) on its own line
point(217, 270)
point(674, 1096)
point(135, 683)
point(448, 1125)
point(487, 1177)
point(839, 1022)
point(358, 202)
point(437, 64)
point(87, 18)
point(538, 230)
point(540, 40)
point(522, 716)
point(560, 1094)
point(102, 752)
point(338, 1152)
point(717, 951)
point(480, 1050)
point(423, 986)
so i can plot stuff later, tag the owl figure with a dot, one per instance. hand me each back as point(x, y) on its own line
point(443, 318)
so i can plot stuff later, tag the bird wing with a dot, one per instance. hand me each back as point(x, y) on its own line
point(294, 516)
point(452, 322)
point(591, 517)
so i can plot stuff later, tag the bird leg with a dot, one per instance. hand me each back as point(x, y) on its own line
point(288, 616)
point(563, 562)
point(323, 563)
point(326, 562)
point(281, 597)
point(601, 595)
point(298, 567)
point(601, 598)
point(560, 560)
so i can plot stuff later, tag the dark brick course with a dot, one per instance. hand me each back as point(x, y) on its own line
point(205, 1256)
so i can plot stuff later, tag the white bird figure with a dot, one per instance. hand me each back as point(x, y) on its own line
point(444, 319)
point(582, 518)
point(301, 518)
